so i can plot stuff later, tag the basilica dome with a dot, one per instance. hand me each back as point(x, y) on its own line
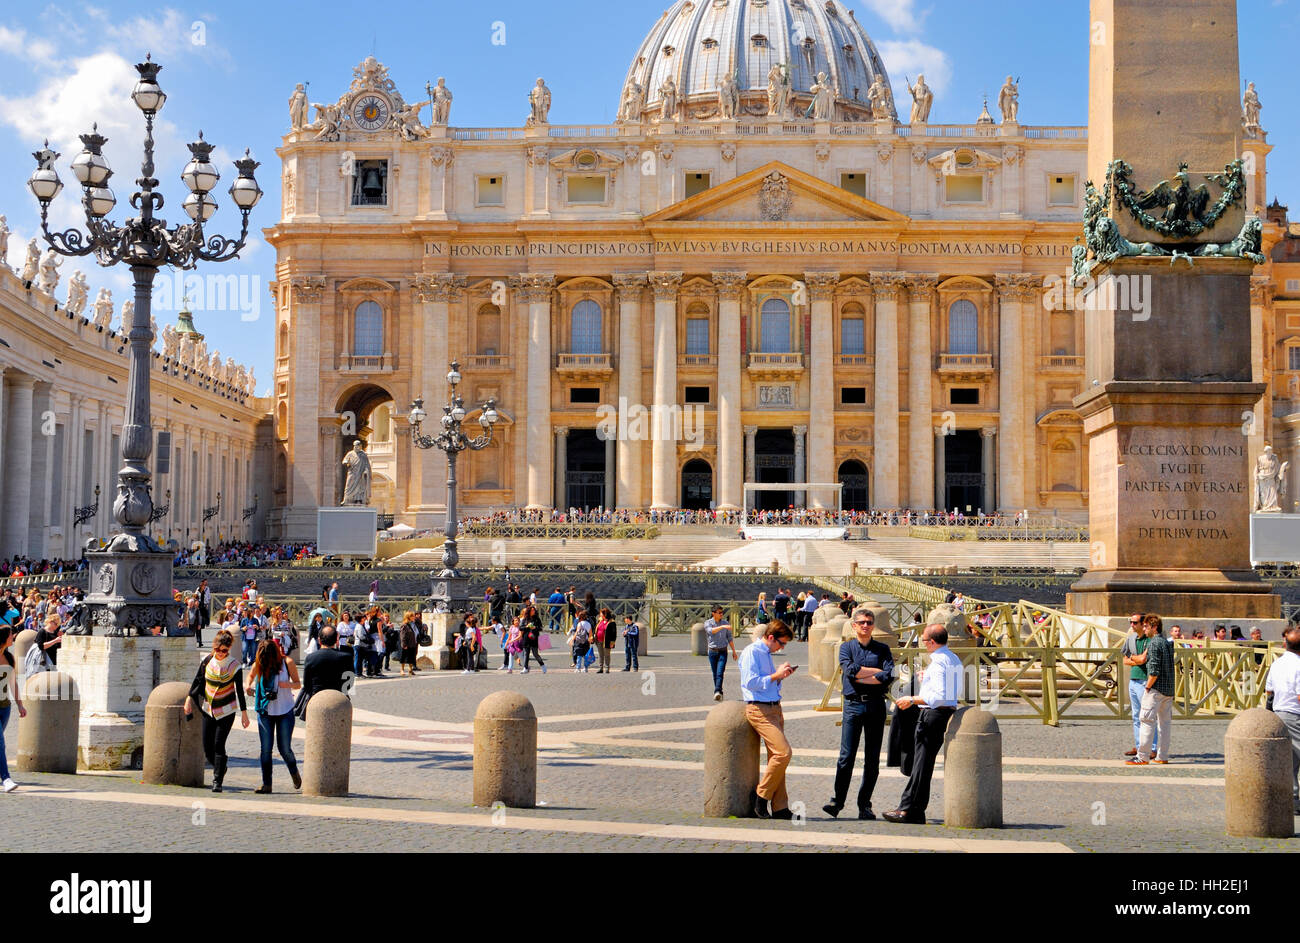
point(696, 43)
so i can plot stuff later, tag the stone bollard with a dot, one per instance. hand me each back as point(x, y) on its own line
point(326, 766)
point(47, 739)
point(22, 642)
point(699, 639)
point(505, 751)
point(1257, 776)
point(730, 762)
point(972, 771)
point(816, 632)
point(173, 746)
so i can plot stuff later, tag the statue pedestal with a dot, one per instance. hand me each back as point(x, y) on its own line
point(114, 677)
point(1275, 538)
point(347, 532)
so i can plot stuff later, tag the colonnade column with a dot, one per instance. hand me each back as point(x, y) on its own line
point(305, 462)
point(433, 295)
point(886, 287)
point(940, 468)
point(1013, 408)
point(561, 467)
point(801, 460)
point(630, 287)
point(750, 433)
point(821, 385)
point(18, 463)
point(663, 444)
point(920, 363)
point(72, 473)
point(1261, 342)
point(731, 469)
point(990, 469)
point(42, 469)
point(534, 290)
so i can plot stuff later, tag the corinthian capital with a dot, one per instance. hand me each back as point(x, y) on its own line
point(1261, 289)
point(532, 287)
point(307, 289)
point(1017, 287)
point(440, 286)
point(629, 285)
point(730, 285)
point(886, 286)
point(921, 287)
point(665, 285)
point(821, 285)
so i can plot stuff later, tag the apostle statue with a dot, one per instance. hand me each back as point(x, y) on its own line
point(668, 92)
point(128, 315)
point(251, 388)
point(728, 97)
point(633, 102)
point(882, 103)
point(326, 124)
point(440, 95)
point(1250, 108)
point(298, 108)
point(4, 242)
point(407, 121)
point(823, 99)
point(49, 271)
point(103, 309)
point(1270, 481)
point(32, 264)
point(356, 487)
point(1009, 101)
point(78, 294)
point(171, 341)
point(778, 91)
point(539, 104)
point(922, 99)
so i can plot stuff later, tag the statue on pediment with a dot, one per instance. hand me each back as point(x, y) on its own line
point(778, 91)
point(32, 264)
point(103, 308)
point(882, 102)
point(1250, 109)
point(823, 99)
point(1009, 101)
point(298, 108)
point(1270, 481)
point(4, 242)
point(633, 102)
point(922, 99)
point(78, 294)
point(440, 95)
point(539, 105)
point(668, 92)
point(171, 341)
point(49, 271)
point(127, 315)
point(728, 97)
point(329, 117)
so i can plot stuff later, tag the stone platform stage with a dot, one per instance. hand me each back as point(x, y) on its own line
point(793, 532)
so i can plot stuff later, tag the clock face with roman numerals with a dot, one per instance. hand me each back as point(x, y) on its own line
point(370, 112)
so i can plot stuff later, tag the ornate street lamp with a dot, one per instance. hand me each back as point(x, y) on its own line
point(211, 512)
point(82, 514)
point(249, 512)
point(451, 585)
point(130, 581)
point(158, 513)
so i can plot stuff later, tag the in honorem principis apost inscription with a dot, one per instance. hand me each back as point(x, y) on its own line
point(1194, 488)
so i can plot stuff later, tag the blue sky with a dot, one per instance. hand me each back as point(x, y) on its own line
point(229, 70)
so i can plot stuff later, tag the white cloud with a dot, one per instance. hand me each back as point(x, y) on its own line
point(907, 57)
point(901, 15)
point(17, 43)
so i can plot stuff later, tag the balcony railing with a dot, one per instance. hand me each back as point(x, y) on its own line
point(1061, 362)
point(965, 363)
point(857, 360)
point(358, 363)
point(584, 364)
point(487, 362)
point(775, 365)
point(699, 360)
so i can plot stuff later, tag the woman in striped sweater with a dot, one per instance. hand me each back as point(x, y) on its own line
point(218, 684)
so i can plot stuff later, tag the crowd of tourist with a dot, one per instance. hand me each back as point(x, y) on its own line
point(792, 515)
point(244, 554)
point(25, 566)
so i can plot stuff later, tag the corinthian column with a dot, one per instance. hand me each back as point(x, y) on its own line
point(630, 287)
point(821, 385)
point(730, 450)
point(427, 479)
point(305, 458)
point(920, 441)
point(1015, 412)
point(1261, 344)
point(884, 487)
point(535, 291)
point(663, 446)
point(18, 464)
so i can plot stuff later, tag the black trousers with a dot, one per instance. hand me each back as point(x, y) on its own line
point(930, 728)
point(865, 721)
point(531, 650)
point(215, 733)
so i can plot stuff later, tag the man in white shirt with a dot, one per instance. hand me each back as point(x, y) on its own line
point(1284, 685)
point(941, 690)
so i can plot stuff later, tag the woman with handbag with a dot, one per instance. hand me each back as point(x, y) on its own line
point(217, 684)
point(408, 638)
point(272, 682)
point(763, 614)
point(581, 641)
point(531, 626)
point(606, 636)
point(9, 698)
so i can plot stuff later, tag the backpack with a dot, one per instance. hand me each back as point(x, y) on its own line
point(262, 698)
point(35, 661)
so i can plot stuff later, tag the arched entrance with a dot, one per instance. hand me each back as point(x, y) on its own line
point(697, 484)
point(367, 413)
point(853, 476)
point(773, 464)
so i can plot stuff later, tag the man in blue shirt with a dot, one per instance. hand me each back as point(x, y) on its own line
point(866, 669)
point(760, 684)
point(556, 602)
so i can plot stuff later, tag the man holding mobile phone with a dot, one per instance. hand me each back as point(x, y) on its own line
point(760, 683)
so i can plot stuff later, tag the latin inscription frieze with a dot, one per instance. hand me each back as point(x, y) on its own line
point(648, 248)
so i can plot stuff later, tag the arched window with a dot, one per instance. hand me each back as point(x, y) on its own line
point(963, 328)
point(697, 329)
point(585, 334)
point(489, 330)
point(853, 332)
point(774, 336)
point(282, 421)
point(368, 330)
point(284, 341)
point(697, 484)
point(853, 476)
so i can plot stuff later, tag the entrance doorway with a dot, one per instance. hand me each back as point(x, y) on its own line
point(853, 476)
point(697, 485)
point(963, 471)
point(584, 472)
point(773, 464)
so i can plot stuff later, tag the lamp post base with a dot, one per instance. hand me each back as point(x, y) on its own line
point(130, 593)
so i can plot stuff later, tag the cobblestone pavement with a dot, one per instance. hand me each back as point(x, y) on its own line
point(621, 769)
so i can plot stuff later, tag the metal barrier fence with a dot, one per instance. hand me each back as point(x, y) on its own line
point(510, 530)
point(1005, 532)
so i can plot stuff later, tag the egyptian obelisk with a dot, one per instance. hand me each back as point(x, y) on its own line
point(1168, 396)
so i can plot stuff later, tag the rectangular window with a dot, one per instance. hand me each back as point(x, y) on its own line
point(853, 395)
point(1060, 190)
point(855, 183)
point(964, 396)
point(696, 394)
point(1292, 284)
point(697, 335)
point(853, 336)
point(370, 183)
point(964, 188)
point(697, 183)
point(584, 394)
point(490, 191)
point(1293, 358)
point(586, 188)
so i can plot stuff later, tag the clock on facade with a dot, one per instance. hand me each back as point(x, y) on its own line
point(370, 112)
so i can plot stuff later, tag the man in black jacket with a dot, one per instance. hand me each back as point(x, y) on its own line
point(328, 669)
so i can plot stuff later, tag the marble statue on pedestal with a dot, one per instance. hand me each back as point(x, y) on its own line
point(327, 122)
point(539, 104)
point(171, 341)
point(778, 91)
point(32, 264)
point(49, 271)
point(128, 315)
point(823, 99)
point(298, 108)
point(103, 317)
point(356, 487)
point(78, 294)
point(633, 102)
point(668, 92)
point(1009, 101)
point(407, 121)
point(728, 97)
point(1270, 481)
point(882, 103)
point(440, 94)
point(4, 241)
point(251, 388)
point(922, 99)
point(1250, 109)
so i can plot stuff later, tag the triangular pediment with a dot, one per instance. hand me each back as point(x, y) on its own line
point(776, 193)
